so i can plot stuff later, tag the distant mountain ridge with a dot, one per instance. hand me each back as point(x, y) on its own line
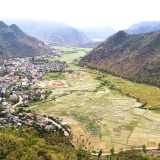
point(135, 57)
point(100, 33)
point(143, 27)
point(56, 33)
point(15, 43)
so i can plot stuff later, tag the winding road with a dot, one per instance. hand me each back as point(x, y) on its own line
point(20, 102)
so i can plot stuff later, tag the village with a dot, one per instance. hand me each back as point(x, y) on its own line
point(16, 78)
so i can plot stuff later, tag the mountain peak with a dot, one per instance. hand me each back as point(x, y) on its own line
point(16, 29)
point(54, 32)
point(2, 24)
point(14, 26)
point(119, 37)
point(121, 33)
point(15, 43)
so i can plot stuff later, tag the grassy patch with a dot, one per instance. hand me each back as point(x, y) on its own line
point(69, 48)
point(155, 107)
point(142, 92)
point(54, 76)
point(64, 48)
point(71, 55)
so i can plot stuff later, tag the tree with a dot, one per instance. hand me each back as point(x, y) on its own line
point(144, 148)
point(14, 101)
point(159, 146)
point(82, 154)
point(49, 123)
point(112, 152)
point(20, 110)
point(99, 154)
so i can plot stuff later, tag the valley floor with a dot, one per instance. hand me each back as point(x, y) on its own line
point(100, 118)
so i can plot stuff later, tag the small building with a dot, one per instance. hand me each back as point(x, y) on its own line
point(63, 123)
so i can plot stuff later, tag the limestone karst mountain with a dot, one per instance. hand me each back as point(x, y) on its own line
point(135, 57)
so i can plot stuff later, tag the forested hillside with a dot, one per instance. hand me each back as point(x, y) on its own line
point(24, 144)
point(135, 57)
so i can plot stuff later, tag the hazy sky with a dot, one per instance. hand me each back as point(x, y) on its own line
point(119, 14)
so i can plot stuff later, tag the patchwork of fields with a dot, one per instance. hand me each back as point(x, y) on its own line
point(100, 118)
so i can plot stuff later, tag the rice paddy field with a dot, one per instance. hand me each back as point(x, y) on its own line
point(102, 118)
point(69, 54)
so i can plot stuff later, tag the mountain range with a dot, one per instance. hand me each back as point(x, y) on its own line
point(98, 33)
point(15, 43)
point(134, 57)
point(143, 27)
point(56, 33)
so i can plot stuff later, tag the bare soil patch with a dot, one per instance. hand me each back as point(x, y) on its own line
point(52, 84)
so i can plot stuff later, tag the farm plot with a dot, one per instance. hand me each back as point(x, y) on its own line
point(51, 84)
point(71, 54)
point(101, 119)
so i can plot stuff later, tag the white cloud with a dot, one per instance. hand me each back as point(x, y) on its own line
point(119, 14)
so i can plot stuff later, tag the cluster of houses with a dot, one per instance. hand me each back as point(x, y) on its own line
point(29, 119)
point(34, 95)
point(51, 66)
point(19, 73)
point(23, 72)
point(16, 75)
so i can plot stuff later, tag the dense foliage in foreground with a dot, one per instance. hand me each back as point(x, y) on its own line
point(23, 144)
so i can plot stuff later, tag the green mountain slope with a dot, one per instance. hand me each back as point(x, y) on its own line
point(135, 57)
point(15, 43)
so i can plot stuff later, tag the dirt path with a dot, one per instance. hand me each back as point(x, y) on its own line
point(20, 102)
point(58, 125)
